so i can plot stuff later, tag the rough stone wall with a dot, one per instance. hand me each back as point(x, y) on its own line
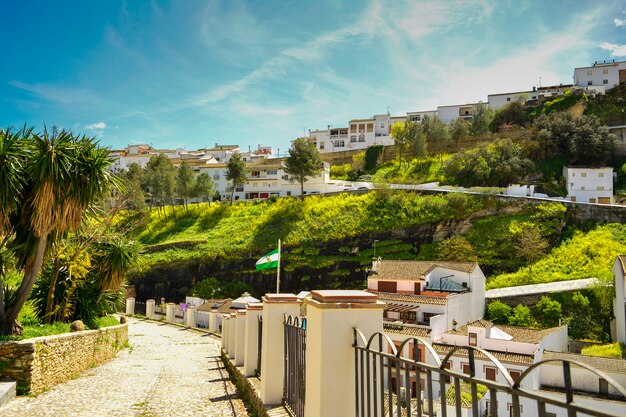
point(40, 363)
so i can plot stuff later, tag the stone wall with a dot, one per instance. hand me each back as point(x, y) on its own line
point(43, 362)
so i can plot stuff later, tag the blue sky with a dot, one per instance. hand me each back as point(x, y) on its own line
point(192, 73)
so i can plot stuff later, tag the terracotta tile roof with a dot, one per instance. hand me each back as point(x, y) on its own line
point(414, 270)
point(405, 330)
point(213, 304)
point(611, 365)
point(410, 298)
point(518, 358)
point(520, 334)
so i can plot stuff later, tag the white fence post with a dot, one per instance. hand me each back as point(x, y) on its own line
point(191, 316)
point(251, 353)
point(170, 314)
point(130, 306)
point(150, 309)
point(331, 317)
point(232, 335)
point(275, 306)
point(225, 330)
point(213, 327)
point(240, 336)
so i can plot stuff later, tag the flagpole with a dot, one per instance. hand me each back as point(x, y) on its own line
point(278, 271)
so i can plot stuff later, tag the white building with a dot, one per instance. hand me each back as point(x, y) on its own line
point(589, 184)
point(619, 301)
point(360, 134)
point(601, 75)
point(495, 101)
point(418, 116)
point(458, 111)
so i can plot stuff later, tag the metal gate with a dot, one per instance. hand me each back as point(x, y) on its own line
point(259, 346)
point(295, 365)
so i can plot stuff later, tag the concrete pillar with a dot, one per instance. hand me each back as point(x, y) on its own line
point(213, 327)
point(191, 317)
point(150, 309)
point(240, 335)
point(130, 306)
point(232, 335)
point(225, 329)
point(331, 316)
point(251, 350)
point(275, 306)
point(170, 312)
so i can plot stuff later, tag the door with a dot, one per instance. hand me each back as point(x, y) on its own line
point(387, 286)
point(418, 288)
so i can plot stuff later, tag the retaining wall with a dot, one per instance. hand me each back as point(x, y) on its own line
point(43, 362)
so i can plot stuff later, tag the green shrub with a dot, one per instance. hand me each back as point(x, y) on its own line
point(614, 350)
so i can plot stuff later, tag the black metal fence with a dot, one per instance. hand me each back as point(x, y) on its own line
point(259, 345)
point(295, 365)
point(140, 308)
point(388, 384)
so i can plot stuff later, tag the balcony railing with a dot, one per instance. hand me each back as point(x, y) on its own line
point(390, 385)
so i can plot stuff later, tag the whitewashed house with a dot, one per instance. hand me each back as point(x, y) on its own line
point(448, 114)
point(418, 116)
point(601, 76)
point(589, 184)
point(496, 101)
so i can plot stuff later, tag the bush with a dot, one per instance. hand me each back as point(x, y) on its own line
point(521, 317)
point(614, 350)
point(498, 312)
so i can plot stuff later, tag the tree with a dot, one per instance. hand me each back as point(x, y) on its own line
point(49, 182)
point(499, 312)
point(133, 197)
point(400, 135)
point(160, 175)
point(437, 136)
point(236, 173)
point(459, 130)
point(458, 249)
point(483, 115)
point(304, 161)
point(549, 311)
point(521, 317)
point(185, 183)
point(205, 187)
point(531, 245)
point(514, 113)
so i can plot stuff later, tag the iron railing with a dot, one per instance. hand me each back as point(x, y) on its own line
point(140, 308)
point(388, 384)
point(259, 345)
point(295, 365)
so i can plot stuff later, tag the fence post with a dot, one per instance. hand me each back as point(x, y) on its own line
point(251, 352)
point(232, 335)
point(130, 306)
point(213, 328)
point(240, 336)
point(150, 309)
point(225, 330)
point(191, 316)
point(170, 313)
point(331, 316)
point(275, 306)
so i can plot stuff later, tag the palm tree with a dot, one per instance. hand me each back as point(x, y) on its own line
point(56, 178)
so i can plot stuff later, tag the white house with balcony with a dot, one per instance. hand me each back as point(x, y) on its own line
point(601, 76)
point(448, 114)
point(496, 101)
point(589, 184)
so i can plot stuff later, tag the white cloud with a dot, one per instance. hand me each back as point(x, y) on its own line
point(618, 22)
point(616, 50)
point(96, 126)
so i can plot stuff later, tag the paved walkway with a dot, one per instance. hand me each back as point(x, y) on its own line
point(167, 371)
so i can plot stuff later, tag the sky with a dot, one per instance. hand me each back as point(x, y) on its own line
point(194, 73)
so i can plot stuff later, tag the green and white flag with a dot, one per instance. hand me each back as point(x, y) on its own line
point(267, 261)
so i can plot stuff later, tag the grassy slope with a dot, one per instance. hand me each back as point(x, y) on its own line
point(222, 230)
point(585, 255)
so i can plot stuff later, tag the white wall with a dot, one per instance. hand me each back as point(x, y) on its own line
point(599, 75)
point(618, 302)
point(589, 183)
point(495, 101)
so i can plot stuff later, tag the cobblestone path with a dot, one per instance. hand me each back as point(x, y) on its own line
point(167, 371)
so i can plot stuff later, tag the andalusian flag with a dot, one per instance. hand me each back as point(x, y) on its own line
point(268, 261)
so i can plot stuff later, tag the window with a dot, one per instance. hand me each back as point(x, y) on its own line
point(362, 138)
point(239, 188)
point(600, 174)
point(605, 82)
point(589, 82)
point(600, 188)
point(473, 339)
point(427, 317)
point(534, 97)
point(588, 72)
point(605, 71)
point(340, 144)
point(490, 373)
point(582, 188)
point(515, 374)
point(382, 125)
point(353, 128)
point(583, 174)
point(353, 138)
point(508, 99)
point(255, 173)
point(322, 146)
point(466, 368)
point(447, 365)
point(361, 128)
point(285, 177)
point(272, 172)
point(216, 177)
point(409, 315)
point(370, 127)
